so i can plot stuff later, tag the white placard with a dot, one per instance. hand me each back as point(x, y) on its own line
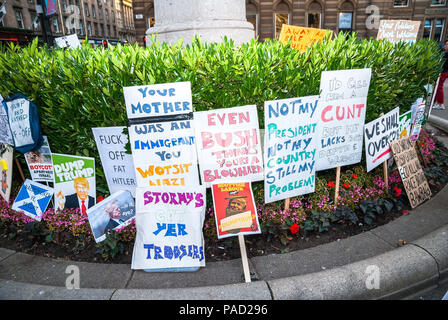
point(70, 41)
point(33, 199)
point(39, 163)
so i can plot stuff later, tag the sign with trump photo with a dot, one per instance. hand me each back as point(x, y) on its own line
point(74, 182)
point(235, 210)
point(112, 213)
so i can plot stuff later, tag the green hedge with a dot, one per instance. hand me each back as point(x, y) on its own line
point(76, 90)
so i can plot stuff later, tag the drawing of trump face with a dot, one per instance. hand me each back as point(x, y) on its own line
point(82, 187)
point(237, 205)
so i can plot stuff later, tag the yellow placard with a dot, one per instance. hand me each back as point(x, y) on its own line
point(301, 38)
point(237, 221)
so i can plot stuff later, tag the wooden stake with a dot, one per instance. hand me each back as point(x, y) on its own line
point(287, 204)
point(20, 169)
point(336, 188)
point(244, 258)
point(386, 176)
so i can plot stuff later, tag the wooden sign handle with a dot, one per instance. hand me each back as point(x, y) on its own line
point(244, 258)
point(386, 176)
point(20, 169)
point(336, 188)
point(287, 204)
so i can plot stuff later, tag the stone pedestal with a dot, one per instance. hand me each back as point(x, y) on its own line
point(211, 20)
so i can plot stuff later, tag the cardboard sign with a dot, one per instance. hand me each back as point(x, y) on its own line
point(158, 100)
point(300, 37)
point(398, 30)
point(290, 145)
point(112, 213)
point(228, 145)
point(70, 41)
point(418, 115)
point(40, 164)
point(164, 154)
point(5, 131)
point(6, 157)
point(411, 171)
point(33, 199)
point(74, 182)
point(169, 223)
point(235, 210)
point(405, 124)
point(341, 110)
point(19, 122)
point(378, 134)
point(117, 164)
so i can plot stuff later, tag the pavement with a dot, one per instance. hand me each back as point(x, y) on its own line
point(371, 265)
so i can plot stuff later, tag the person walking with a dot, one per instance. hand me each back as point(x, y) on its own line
point(441, 99)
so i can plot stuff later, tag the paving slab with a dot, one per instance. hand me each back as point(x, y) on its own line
point(323, 257)
point(214, 273)
point(27, 268)
point(355, 281)
point(257, 290)
point(12, 290)
point(5, 253)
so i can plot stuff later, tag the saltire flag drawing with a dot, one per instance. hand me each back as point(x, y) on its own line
point(33, 199)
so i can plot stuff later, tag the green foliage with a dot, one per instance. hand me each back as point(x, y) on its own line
point(111, 246)
point(372, 208)
point(76, 90)
point(31, 233)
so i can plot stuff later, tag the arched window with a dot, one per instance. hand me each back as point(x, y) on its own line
point(252, 15)
point(314, 15)
point(345, 18)
point(281, 16)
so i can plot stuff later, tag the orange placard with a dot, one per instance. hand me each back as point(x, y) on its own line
point(301, 38)
point(235, 210)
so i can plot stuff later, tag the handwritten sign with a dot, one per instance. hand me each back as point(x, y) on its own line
point(235, 210)
point(290, 145)
point(19, 121)
point(74, 182)
point(5, 131)
point(229, 145)
point(341, 110)
point(70, 41)
point(33, 199)
point(378, 134)
point(398, 30)
point(158, 100)
point(411, 171)
point(117, 164)
point(300, 38)
point(114, 212)
point(40, 163)
point(169, 223)
point(164, 154)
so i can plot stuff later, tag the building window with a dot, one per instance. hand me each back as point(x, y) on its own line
point(107, 15)
point(314, 15)
point(89, 29)
point(438, 30)
point(345, 21)
point(252, 17)
point(86, 9)
point(281, 17)
point(438, 3)
point(93, 11)
point(427, 29)
point(34, 20)
point(19, 19)
point(55, 25)
point(81, 29)
point(401, 3)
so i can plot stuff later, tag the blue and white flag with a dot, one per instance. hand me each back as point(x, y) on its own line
point(33, 199)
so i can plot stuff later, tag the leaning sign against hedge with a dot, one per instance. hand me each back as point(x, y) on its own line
point(229, 145)
point(300, 38)
point(342, 111)
point(290, 147)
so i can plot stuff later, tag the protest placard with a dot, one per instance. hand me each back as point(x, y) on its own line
point(40, 164)
point(290, 145)
point(405, 124)
point(228, 144)
point(6, 157)
point(398, 30)
point(341, 111)
point(18, 111)
point(158, 100)
point(69, 41)
point(5, 131)
point(411, 172)
point(235, 210)
point(114, 212)
point(378, 134)
point(117, 164)
point(300, 37)
point(418, 115)
point(74, 182)
point(33, 199)
point(164, 153)
point(169, 223)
